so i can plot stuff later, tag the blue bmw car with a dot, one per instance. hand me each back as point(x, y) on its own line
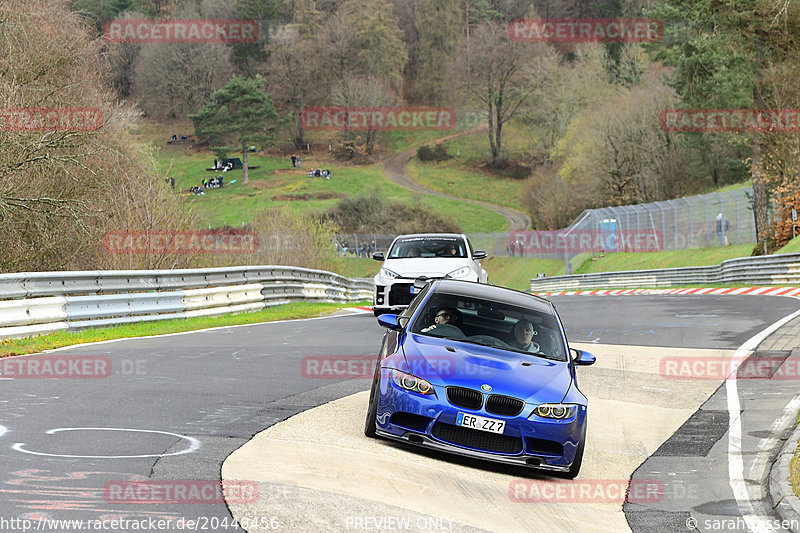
point(481, 371)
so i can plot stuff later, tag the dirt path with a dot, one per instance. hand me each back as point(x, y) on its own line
point(395, 168)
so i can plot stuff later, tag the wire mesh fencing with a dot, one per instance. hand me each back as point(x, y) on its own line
point(702, 221)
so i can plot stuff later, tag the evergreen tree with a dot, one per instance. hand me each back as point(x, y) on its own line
point(378, 40)
point(240, 114)
point(439, 25)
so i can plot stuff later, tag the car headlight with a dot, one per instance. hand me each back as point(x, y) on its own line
point(558, 411)
point(460, 273)
point(411, 383)
point(386, 273)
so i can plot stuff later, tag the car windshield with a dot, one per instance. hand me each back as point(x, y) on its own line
point(411, 247)
point(494, 324)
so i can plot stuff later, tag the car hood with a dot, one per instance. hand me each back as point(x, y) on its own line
point(448, 362)
point(432, 267)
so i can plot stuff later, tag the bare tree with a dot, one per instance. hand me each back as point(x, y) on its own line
point(363, 91)
point(63, 188)
point(494, 71)
point(293, 76)
point(175, 79)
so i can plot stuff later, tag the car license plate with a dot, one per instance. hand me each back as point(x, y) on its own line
point(481, 423)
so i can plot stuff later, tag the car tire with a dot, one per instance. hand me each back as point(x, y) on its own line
point(370, 424)
point(572, 473)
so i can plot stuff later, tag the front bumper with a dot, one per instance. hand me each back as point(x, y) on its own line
point(429, 422)
point(394, 295)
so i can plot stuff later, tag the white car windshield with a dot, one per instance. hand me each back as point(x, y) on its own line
point(428, 247)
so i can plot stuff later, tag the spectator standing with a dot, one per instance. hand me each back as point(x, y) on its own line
point(723, 226)
point(294, 160)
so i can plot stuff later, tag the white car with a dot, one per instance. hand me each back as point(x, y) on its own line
point(425, 255)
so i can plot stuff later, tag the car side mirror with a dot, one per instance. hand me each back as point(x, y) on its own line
point(378, 256)
point(582, 358)
point(390, 321)
point(479, 254)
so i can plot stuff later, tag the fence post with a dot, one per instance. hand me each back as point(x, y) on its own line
point(708, 226)
point(691, 220)
point(738, 222)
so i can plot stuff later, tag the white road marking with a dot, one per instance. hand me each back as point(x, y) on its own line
point(194, 444)
point(755, 523)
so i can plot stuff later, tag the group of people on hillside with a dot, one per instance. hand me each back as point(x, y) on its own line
point(226, 167)
point(319, 173)
point(296, 162)
point(363, 249)
point(210, 183)
point(213, 183)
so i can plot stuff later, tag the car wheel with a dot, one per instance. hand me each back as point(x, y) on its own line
point(372, 408)
point(572, 473)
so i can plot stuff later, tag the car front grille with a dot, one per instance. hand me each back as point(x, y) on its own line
point(504, 405)
point(479, 440)
point(466, 398)
point(400, 294)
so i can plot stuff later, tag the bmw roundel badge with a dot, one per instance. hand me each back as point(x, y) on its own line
point(486, 387)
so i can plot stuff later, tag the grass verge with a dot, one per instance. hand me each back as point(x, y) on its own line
point(275, 183)
point(792, 247)
point(614, 262)
point(449, 177)
point(145, 329)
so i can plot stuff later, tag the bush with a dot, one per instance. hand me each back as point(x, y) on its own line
point(286, 238)
point(436, 153)
point(372, 214)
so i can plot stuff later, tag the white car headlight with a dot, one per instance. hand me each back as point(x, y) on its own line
point(460, 273)
point(386, 273)
point(559, 411)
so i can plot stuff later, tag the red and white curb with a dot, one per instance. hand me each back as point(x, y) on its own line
point(761, 291)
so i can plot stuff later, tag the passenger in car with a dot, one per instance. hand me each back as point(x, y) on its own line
point(523, 333)
point(413, 252)
point(445, 315)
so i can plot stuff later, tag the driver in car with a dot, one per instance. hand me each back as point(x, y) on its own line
point(523, 336)
point(445, 315)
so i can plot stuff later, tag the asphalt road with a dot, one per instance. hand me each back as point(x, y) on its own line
point(174, 407)
point(207, 392)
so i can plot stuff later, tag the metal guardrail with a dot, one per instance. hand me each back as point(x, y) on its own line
point(33, 303)
point(777, 269)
